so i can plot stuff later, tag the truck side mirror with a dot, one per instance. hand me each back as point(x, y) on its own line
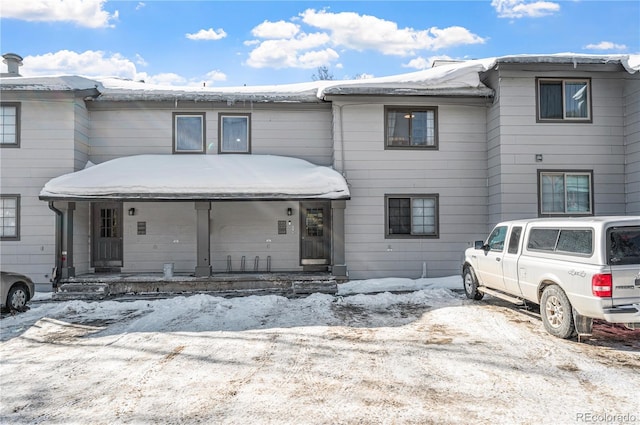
point(479, 244)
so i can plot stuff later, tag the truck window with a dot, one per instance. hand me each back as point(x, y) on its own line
point(543, 239)
point(575, 241)
point(623, 246)
point(514, 240)
point(496, 238)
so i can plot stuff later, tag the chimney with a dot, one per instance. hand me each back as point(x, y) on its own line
point(13, 62)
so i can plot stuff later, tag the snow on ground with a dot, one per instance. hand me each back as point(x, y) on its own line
point(422, 354)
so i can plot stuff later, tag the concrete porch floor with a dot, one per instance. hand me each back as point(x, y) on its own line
point(109, 285)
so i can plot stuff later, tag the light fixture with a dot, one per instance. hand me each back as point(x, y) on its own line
point(538, 157)
point(409, 116)
point(132, 211)
point(289, 211)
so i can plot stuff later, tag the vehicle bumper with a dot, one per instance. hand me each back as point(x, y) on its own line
point(623, 314)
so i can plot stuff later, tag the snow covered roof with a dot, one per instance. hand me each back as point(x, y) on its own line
point(453, 79)
point(199, 177)
point(49, 83)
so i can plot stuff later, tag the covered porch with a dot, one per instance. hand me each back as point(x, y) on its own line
point(222, 223)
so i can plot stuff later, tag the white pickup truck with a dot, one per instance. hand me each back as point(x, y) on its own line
point(576, 269)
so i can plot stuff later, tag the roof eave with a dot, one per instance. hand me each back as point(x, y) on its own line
point(181, 197)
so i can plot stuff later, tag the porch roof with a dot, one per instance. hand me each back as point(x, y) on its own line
point(199, 177)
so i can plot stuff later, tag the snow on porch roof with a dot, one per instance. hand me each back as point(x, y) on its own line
point(199, 177)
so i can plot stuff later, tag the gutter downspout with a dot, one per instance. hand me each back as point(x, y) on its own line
point(55, 278)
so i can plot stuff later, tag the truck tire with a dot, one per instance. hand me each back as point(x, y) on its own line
point(471, 284)
point(556, 312)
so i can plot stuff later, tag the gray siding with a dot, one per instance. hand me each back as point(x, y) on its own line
point(46, 151)
point(457, 172)
point(632, 142)
point(170, 237)
point(301, 132)
point(597, 146)
point(250, 229)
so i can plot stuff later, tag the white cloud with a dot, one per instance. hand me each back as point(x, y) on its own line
point(606, 45)
point(425, 63)
point(524, 8)
point(209, 34)
point(275, 30)
point(90, 63)
point(85, 13)
point(140, 5)
point(365, 32)
point(364, 76)
point(284, 45)
point(96, 64)
point(140, 60)
point(418, 63)
point(300, 52)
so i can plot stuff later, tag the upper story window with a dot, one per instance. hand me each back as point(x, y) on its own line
point(234, 133)
point(9, 217)
point(565, 193)
point(412, 216)
point(10, 125)
point(564, 100)
point(411, 128)
point(188, 132)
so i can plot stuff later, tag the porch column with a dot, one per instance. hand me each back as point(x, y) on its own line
point(203, 246)
point(339, 268)
point(67, 270)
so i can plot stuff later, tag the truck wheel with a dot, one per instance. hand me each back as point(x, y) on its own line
point(471, 284)
point(556, 313)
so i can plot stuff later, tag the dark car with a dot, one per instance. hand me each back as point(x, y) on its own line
point(15, 291)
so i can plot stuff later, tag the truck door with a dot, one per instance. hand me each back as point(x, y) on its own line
point(623, 255)
point(489, 266)
point(510, 262)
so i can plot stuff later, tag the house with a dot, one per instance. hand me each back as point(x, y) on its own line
point(391, 176)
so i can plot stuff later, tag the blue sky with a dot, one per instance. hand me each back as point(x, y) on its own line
point(233, 43)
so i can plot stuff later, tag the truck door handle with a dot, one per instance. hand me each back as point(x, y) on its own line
point(498, 259)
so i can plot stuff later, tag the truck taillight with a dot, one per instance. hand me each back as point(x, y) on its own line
point(601, 285)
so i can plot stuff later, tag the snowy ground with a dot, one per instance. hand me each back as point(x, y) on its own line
point(423, 357)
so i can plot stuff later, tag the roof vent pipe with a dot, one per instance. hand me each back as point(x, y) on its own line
point(13, 62)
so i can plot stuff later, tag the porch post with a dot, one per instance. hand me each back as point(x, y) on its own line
point(68, 270)
point(203, 264)
point(338, 259)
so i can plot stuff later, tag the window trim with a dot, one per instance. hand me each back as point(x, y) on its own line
point(221, 117)
point(409, 110)
point(434, 196)
point(202, 116)
point(17, 198)
point(564, 119)
point(17, 105)
point(565, 173)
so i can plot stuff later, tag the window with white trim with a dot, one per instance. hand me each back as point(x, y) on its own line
point(411, 216)
point(9, 217)
point(565, 193)
point(411, 128)
point(9, 125)
point(188, 132)
point(234, 133)
point(564, 99)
